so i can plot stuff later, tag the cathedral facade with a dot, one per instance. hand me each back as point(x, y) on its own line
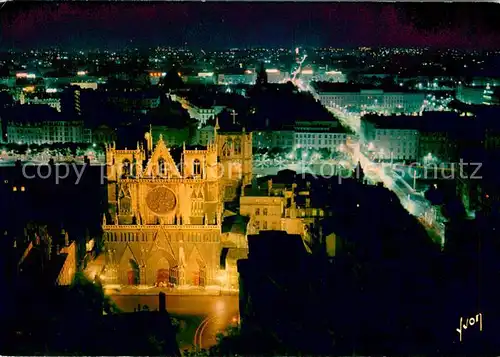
point(164, 220)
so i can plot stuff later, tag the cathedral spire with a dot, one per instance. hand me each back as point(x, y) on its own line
point(149, 142)
point(216, 128)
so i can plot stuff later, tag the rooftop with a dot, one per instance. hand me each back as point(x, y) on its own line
point(328, 87)
point(427, 122)
point(32, 113)
point(38, 268)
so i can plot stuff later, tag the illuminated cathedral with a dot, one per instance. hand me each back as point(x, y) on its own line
point(164, 221)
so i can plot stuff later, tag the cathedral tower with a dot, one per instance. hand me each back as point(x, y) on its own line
point(235, 160)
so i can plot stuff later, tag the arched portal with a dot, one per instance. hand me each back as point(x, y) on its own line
point(163, 272)
point(133, 274)
point(161, 262)
point(196, 274)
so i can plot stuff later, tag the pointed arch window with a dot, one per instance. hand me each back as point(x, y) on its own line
point(133, 170)
point(126, 168)
point(162, 169)
point(196, 167)
point(228, 146)
point(237, 146)
point(197, 203)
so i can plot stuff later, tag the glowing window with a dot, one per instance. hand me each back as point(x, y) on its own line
point(196, 167)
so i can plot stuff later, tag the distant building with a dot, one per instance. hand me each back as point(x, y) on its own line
point(276, 76)
point(138, 102)
point(370, 99)
point(84, 82)
point(203, 135)
point(283, 139)
point(428, 138)
point(438, 139)
point(40, 124)
point(103, 134)
point(320, 135)
point(330, 76)
point(237, 77)
point(85, 85)
point(199, 78)
point(200, 110)
point(470, 95)
point(278, 206)
point(52, 101)
point(390, 138)
point(71, 100)
point(204, 113)
point(48, 132)
point(265, 210)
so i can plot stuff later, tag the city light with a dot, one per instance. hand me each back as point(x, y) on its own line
point(272, 70)
point(81, 73)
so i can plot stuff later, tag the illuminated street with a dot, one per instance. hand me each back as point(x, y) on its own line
point(209, 315)
point(411, 201)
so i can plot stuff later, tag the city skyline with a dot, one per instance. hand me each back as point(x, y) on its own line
point(222, 179)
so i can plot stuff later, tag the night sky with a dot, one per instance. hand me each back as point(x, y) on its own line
point(224, 25)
